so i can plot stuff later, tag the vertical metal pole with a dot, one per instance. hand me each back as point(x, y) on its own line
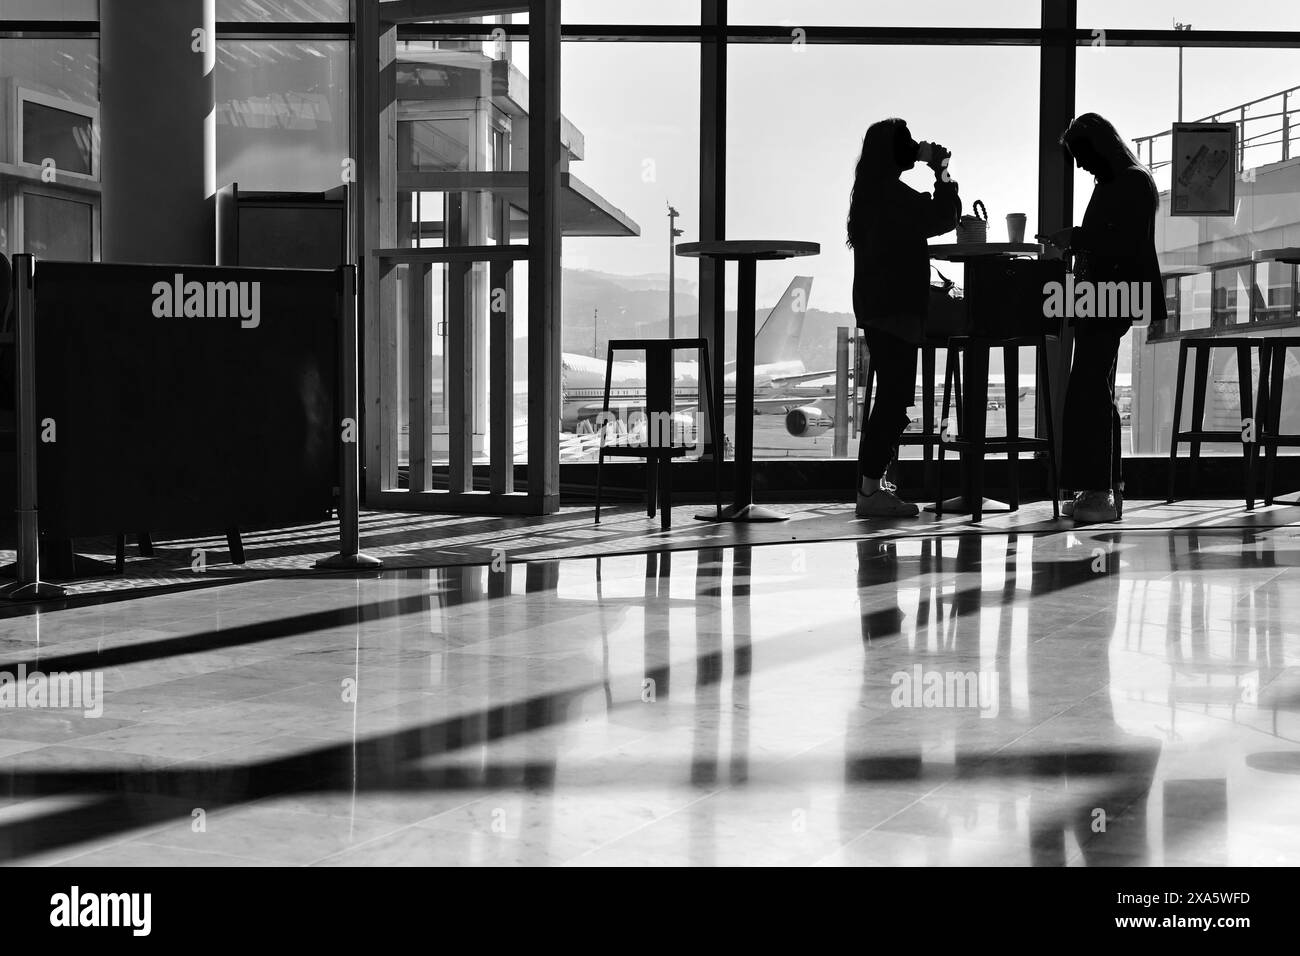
point(28, 585)
point(349, 555)
point(1286, 126)
point(841, 448)
point(672, 272)
point(544, 243)
point(1180, 84)
point(1055, 171)
point(1241, 141)
point(713, 198)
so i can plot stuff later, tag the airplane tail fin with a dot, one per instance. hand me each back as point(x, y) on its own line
point(778, 338)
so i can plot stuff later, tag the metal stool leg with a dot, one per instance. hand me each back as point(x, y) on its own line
point(665, 464)
point(1276, 382)
point(603, 422)
point(1046, 380)
point(1011, 375)
point(977, 380)
point(1178, 421)
point(1200, 384)
point(948, 376)
point(715, 427)
point(1261, 412)
point(1243, 387)
point(928, 358)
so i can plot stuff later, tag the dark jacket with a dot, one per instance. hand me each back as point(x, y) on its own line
point(1117, 241)
point(891, 264)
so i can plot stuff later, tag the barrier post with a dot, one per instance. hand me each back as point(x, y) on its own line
point(349, 556)
point(28, 586)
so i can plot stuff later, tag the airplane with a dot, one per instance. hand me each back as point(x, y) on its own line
point(781, 382)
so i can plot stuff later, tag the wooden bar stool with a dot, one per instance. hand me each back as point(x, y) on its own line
point(1203, 346)
point(972, 439)
point(659, 449)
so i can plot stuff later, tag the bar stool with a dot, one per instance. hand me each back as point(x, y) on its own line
point(658, 449)
point(1268, 407)
point(928, 436)
point(972, 421)
point(1203, 346)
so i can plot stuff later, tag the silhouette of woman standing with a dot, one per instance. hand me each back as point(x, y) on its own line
point(888, 225)
point(1115, 244)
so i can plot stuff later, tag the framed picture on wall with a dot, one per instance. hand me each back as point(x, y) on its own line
point(1204, 175)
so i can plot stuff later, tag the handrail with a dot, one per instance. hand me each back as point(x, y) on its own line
point(1240, 120)
point(1213, 117)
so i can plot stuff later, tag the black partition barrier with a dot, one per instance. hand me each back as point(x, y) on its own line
point(185, 398)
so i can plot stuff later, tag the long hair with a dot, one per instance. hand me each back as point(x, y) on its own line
point(877, 164)
point(1099, 133)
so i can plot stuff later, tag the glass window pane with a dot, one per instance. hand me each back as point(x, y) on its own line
point(57, 228)
point(49, 9)
point(1232, 288)
point(888, 13)
point(1274, 291)
point(796, 120)
point(1194, 301)
point(282, 114)
point(51, 87)
point(1214, 81)
point(63, 136)
point(635, 153)
point(1200, 14)
point(434, 145)
point(630, 11)
point(292, 11)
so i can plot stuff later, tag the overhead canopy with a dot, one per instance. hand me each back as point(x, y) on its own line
point(583, 211)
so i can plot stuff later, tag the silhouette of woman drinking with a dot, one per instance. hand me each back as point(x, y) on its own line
point(888, 225)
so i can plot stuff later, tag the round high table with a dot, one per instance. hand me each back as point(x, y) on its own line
point(962, 252)
point(745, 253)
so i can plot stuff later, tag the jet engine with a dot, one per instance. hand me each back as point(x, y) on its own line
point(808, 422)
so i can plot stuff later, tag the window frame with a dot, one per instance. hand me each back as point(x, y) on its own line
point(24, 94)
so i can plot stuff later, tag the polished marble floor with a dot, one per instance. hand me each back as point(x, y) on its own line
point(1058, 698)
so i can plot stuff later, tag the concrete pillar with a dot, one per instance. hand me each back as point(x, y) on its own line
point(158, 156)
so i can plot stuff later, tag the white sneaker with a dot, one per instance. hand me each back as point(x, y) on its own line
point(1067, 505)
point(884, 503)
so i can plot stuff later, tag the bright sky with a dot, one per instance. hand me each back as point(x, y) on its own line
point(797, 114)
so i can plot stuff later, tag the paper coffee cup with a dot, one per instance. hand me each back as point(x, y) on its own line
point(1016, 226)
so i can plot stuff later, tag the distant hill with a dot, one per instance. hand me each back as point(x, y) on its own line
point(598, 307)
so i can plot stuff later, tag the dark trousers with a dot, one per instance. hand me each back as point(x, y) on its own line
point(894, 364)
point(1090, 449)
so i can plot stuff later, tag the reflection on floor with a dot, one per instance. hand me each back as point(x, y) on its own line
point(1002, 698)
point(423, 540)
